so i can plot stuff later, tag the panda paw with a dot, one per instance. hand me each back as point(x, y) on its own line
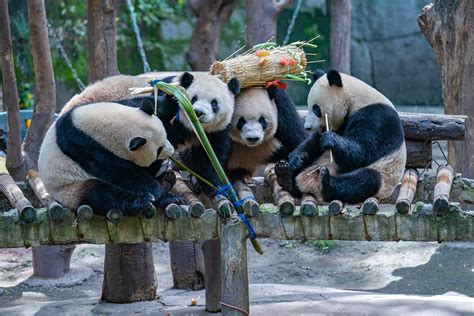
point(167, 179)
point(169, 199)
point(328, 140)
point(324, 183)
point(283, 174)
point(296, 161)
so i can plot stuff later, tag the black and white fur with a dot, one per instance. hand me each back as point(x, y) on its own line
point(213, 102)
point(366, 140)
point(99, 154)
point(265, 128)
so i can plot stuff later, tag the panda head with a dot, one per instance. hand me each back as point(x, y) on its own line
point(255, 116)
point(337, 95)
point(212, 100)
point(133, 134)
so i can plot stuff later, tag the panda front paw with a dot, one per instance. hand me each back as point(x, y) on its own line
point(167, 179)
point(328, 140)
point(170, 199)
point(284, 175)
point(296, 161)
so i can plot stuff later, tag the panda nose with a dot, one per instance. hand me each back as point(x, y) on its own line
point(199, 113)
point(253, 139)
point(308, 128)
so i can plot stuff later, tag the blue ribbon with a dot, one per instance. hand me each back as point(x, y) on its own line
point(244, 219)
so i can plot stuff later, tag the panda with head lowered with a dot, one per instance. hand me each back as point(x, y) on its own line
point(98, 155)
point(265, 128)
point(213, 102)
point(365, 136)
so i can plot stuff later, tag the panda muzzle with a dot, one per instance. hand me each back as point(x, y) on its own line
point(165, 151)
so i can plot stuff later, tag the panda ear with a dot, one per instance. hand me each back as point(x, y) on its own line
point(334, 78)
point(136, 143)
point(147, 106)
point(186, 80)
point(272, 91)
point(234, 86)
point(318, 73)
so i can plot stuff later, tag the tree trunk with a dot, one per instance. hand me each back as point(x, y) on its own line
point(449, 27)
point(262, 20)
point(48, 261)
point(340, 43)
point(129, 272)
point(15, 161)
point(211, 19)
point(101, 48)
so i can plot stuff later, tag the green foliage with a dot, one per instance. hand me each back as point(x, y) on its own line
point(325, 246)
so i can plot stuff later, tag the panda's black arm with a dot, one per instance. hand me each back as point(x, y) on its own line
point(306, 153)
point(290, 131)
point(197, 159)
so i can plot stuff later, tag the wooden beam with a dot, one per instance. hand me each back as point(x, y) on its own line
point(351, 225)
point(419, 153)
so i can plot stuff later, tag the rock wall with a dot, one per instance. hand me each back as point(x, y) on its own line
point(389, 52)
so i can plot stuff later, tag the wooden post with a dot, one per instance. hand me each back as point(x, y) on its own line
point(283, 199)
point(250, 205)
point(16, 198)
point(407, 191)
point(449, 28)
point(55, 210)
point(235, 283)
point(196, 208)
point(212, 267)
point(370, 206)
point(444, 180)
point(340, 37)
point(309, 205)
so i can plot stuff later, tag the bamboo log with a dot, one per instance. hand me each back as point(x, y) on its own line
point(16, 198)
point(422, 126)
point(234, 280)
point(174, 211)
point(407, 191)
point(370, 206)
point(196, 208)
point(223, 206)
point(335, 208)
point(419, 153)
point(114, 216)
point(444, 180)
point(55, 209)
point(84, 213)
point(309, 205)
point(352, 225)
point(283, 199)
point(250, 204)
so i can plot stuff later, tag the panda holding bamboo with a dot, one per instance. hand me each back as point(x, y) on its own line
point(365, 137)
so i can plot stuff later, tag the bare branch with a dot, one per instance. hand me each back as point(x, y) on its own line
point(15, 161)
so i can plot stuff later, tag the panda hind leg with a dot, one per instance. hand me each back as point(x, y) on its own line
point(352, 187)
point(103, 197)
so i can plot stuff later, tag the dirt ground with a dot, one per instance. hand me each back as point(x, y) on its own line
point(378, 267)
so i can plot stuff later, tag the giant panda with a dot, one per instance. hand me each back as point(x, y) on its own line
point(213, 102)
point(365, 137)
point(265, 128)
point(98, 155)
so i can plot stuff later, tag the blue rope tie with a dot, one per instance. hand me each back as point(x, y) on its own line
point(177, 115)
point(244, 219)
point(153, 82)
point(224, 190)
point(241, 201)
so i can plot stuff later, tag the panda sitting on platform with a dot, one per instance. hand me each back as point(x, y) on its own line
point(213, 102)
point(98, 155)
point(365, 137)
point(265, 128)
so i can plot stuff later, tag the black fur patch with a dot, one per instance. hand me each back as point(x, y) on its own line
point(136, 142)
point(272, 91)
point(352, 187)
point(148, 107)
point(318, 73)
point(123, 183)
point(369, 134)
point(234, 86)
point(317, 110)
point(334, 78)
point(186, 80)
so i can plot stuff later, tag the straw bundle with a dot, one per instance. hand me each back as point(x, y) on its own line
point(258, 66)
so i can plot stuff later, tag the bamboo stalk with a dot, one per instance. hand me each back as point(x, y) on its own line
point(328, 128)
point(444, 180)
point(16, 198)
point(407, 191)
point(196, 208)
point(55, 210)
point(283, 199)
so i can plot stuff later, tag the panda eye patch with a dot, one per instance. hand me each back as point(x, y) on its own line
point(263, 122)
point(214, 105)
point(241, 123)
point(317, 110)
point(194, 99)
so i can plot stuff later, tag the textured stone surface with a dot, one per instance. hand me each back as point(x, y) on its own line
point(389, 52)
